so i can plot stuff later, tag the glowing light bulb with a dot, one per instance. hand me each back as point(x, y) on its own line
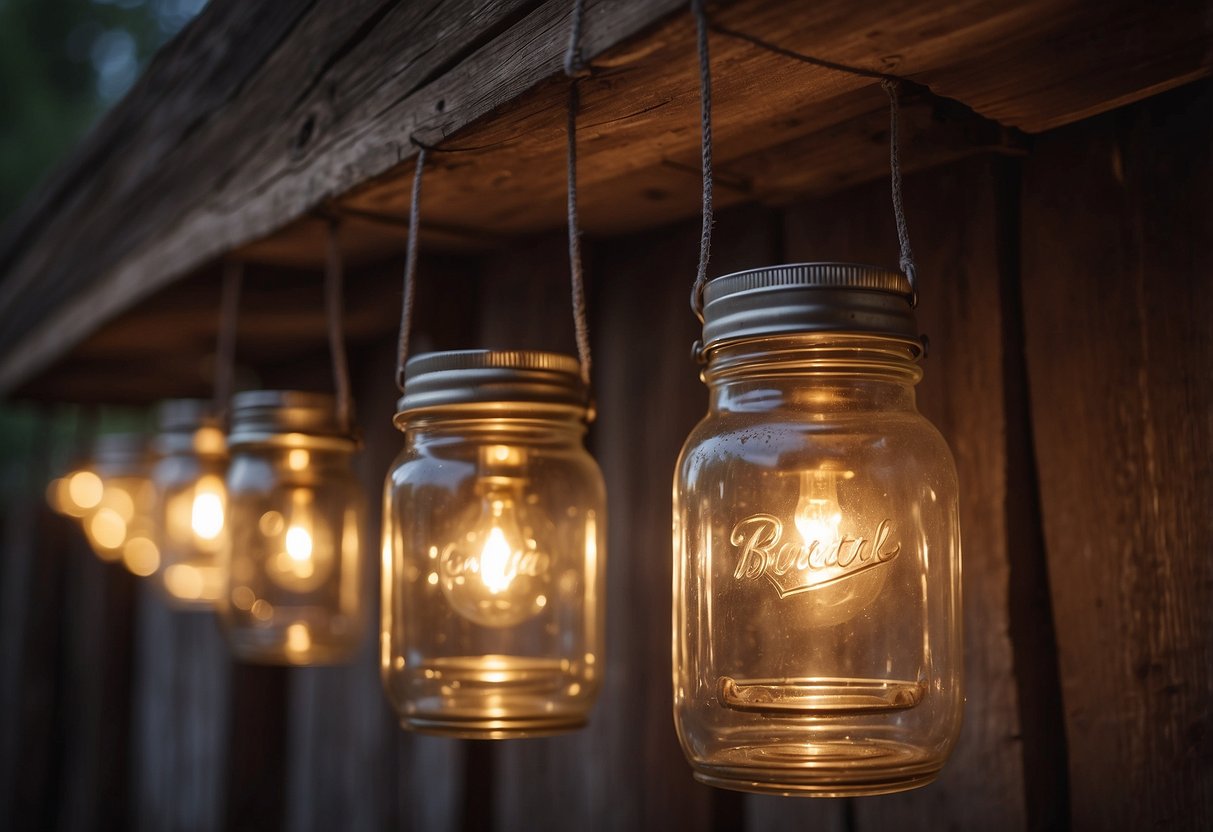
point(304, 553)
point(299, 544)
point(206, 512)
point(496, 576)
point(84, 493)
point(494, 562)
point(818, 514)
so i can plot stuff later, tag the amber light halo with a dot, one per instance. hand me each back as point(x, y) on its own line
point(493, 548)
point(817, 644)
point(294, 564)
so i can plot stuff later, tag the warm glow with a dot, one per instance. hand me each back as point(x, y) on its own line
point(494, 562)
point(298, 639)
point(818, 514)
point(106, 529)
point(304, 552)
point(299, 544)
point(141, 556)
point(184, 581)
point(496, 574)
point(206, 519)
point(119, 501)
point(84, 490)
point(297, 459)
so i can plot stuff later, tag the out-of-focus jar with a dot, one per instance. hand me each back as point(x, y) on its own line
point(817, 627)
point(120, 527)
point(494, 548)
point(192, 502)
point(294, 588)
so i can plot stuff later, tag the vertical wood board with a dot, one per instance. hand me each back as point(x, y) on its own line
point(1118, 298)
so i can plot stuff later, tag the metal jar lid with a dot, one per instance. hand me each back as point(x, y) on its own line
point(120, 454)
point(289, 418)
point(188, 426)
point(809, 297)
point(517, 382)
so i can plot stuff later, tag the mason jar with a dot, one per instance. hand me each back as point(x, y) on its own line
point(119, 527)
point(494, 548)
point(817, 617)
point(191, 502)
point(294, 564)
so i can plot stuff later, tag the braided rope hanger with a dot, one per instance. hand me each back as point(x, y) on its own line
point(575, 67)
point(889, 83)
point(334, 309)
point(229, 310)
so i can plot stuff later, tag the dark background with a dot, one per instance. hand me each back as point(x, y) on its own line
point(1066, 292)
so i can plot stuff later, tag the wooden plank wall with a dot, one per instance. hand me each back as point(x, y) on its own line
point(1118, 289)
point(1067, 299)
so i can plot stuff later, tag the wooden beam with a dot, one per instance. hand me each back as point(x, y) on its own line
point(322, 116)
point(955, 228)
point(1116, 217)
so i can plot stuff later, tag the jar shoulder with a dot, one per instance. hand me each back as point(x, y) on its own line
point(417, 465)
point(905, 440)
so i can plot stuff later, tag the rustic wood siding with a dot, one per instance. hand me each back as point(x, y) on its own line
point(1067, 296)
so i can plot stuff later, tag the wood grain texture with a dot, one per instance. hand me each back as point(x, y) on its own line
point(95, 789)
point(954, 228)
point(374, 73)
point(536, 784)
point(353, 767)
point(181, 706)
point(36, 549)
point(1116, 218)
point(650, 399)
point(322, 115)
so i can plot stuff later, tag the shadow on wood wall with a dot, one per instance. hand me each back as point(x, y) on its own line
point(1067, 297)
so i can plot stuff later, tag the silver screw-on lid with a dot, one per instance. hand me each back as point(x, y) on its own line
point(500, 380)
point(184, 414)
point(121, 454)
point(286, 417)
point(188, 426)
point(808, 297)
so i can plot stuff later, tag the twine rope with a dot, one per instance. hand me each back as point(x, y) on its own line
point(410, 269)
point(334, 307)
point(574, 68)
point(699, 9)
point(906, 260)
point(889, 83)
point(225, 348)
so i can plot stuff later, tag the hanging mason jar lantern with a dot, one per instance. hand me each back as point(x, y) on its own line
point(294, 589)
point(192, 501)
point(119, 525)
point(817, 642)
point(494, 547)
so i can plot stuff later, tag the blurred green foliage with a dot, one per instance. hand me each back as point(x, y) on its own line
point(62, 63)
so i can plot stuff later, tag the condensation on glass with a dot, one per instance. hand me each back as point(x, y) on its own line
point(493, 548)
point(295, 585)
point(118, 500)
point(191, 502)
point(817, 619)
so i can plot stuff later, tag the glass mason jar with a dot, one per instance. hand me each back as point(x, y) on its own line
point(494, 548)
point(817, 618)
point(294, 589)
point(119, 526)
point(191, 500)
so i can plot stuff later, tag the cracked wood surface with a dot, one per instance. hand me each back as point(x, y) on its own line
point(258, 116)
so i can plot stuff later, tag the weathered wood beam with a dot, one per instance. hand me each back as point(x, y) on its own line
point(322, 117)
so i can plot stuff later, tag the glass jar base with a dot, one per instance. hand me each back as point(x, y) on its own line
point(824, 769)
point(277, 649)
point(494, 729)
